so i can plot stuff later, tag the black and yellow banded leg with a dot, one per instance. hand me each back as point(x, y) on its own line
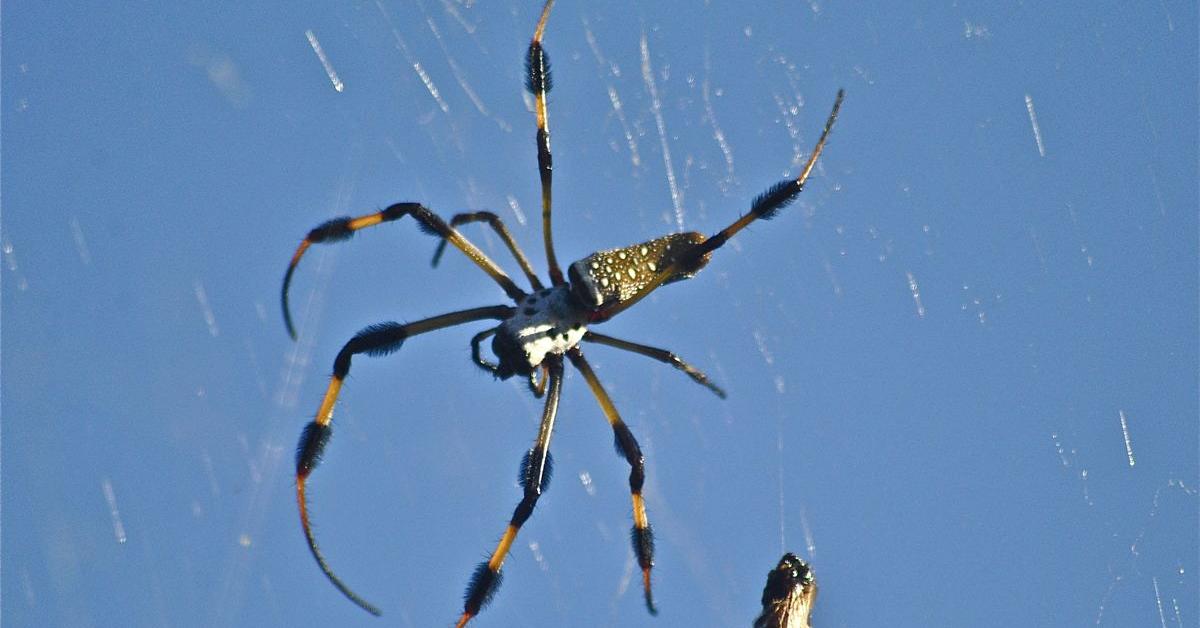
point(662, 355)
point(376, 340)
point(641, 535)
point(497, 225)
point(538, 82)
point(765, 207)
point(339, 229)
point(535, 477)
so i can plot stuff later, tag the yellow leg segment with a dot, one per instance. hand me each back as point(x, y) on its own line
point(642, 535)
point(375, 340)
point(535, 476)
point(343, 228)
point(765, 206)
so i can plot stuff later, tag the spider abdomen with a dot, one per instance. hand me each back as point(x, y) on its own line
point(547, 322)
point(612, 276)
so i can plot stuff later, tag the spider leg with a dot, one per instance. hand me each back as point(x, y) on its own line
point(537, 65)
point(765, 207)
point(627, 447)
point(343, 228)
point(376, 340)
point(662, 355)
point(498, 226)
point(477, 356)
point(535, 477)
point(536, 386)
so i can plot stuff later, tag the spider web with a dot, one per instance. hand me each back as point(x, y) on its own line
point(961, 368)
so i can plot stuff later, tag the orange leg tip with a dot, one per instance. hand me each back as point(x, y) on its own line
point(650, 607)
point(299, 253)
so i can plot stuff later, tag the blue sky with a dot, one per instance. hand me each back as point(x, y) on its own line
point(962, 368)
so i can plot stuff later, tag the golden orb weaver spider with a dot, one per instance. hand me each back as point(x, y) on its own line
point(545, 326)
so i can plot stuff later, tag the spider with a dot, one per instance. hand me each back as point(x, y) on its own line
point(534, 336)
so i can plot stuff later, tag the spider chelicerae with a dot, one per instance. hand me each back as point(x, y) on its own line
point(544, 326)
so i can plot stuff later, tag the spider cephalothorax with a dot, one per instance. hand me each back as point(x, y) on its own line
point(542, 328)
point(548, 322)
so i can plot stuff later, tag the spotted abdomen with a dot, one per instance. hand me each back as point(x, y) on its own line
point(611, 276)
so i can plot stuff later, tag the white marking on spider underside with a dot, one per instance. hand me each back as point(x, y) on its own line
point(547, 322)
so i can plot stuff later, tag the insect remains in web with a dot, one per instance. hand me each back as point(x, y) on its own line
point(789, 595)
point(537, 335)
